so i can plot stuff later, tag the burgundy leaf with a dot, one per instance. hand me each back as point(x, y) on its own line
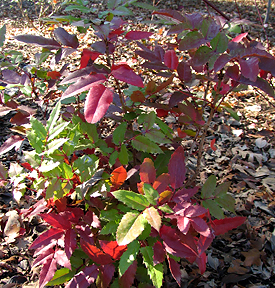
point(204, 243)
point(239, 38)
point(112, 248)
point(233, 72)
point(97, 103)
point(85, 233)
point(201, 261)
point(128, 277)
point(175, 270)
point(56, 221)
point(5, 110)
point(124, 73)
point(171, 59)
point(161, 182)
point(185, 195)
point(184, 71)
point(173, 243)
point(76, 75)
point(95, 253)
point(43, 249)
point(175, 15)
point(224, 225)
point(159, 253)
point(66, 38)
point(147, 171)
point(154, 65)
point(13, 141)
point(138, 35)
point(192, 40)
point(250, 68)
point(176, 168)
point(221, 62)
point(73, 214)
point(178, 97)
point(183, 224)
point(47, 271)
point(106, 274)
point(148, 55)
point(86, 56)
point(84, 278)
point(194, 19)
point(70, 242)
point(194, 211)
point(200, 226)
point(62, 259)
point(47, 43)
point(267, 64)
point(83, 84)
point(159, 52)
point(43, 257)
point(46, 238)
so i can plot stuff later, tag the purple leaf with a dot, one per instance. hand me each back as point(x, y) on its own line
point(47, 43)
point(185, 195)
point(200, 226)
point(159, 253)
point(70, 242)
point(169, 13)
point(106, 274)
point(184, 71)
point(267, 64)
point(11, 77)
point(154, 65)
point(194, 19)
point(250, 68)
point(177, 169)
point(171, 60)
point(128, 277)
point(233, 72)
point(57, 221)
point(159, 51)
point(47, 271)
point(43, 257)
point(83, 84)
point(221, 62)
point(124, 73)
point(192, 40)
point(138, 35)
point(175, 270)
point(148, 55)
point(97, 103)
point(13, 141)
point(66, 38)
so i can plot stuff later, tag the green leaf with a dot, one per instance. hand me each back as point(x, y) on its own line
point(123, 155)
point(150, 193)
point(144, 6)
point(52, 187)
point(122, 11)
point(214, 209)
point(166, 209)
point(57, 130)
point(157, 136)
point(164, 128)
point(227, 202)
point(152, 216)
point(232, 113)
point(155, 272)
point(113, 157)
point(54, 116)
point(109, 215)
point(2, 35)
point(209, 187)
point(141, 143)
point(35, 142)
point(219, 43)
point(54, 145)
point(119, 133)
point(110, 228)
point(131, 226)
point(61, 276)
point(222, 189)
point(148, 120)
point(132, 199)
point(38, 128)
point(89, 129)
point(128, 257)
point(48, 165)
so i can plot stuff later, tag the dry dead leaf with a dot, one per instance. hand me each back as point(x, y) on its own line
point(252, 257)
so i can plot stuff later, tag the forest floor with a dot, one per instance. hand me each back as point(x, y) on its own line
point(245, 155)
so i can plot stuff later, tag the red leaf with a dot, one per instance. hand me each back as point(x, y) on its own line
point(176, 168)
point(46, 238)
point(62, 259)
point(161, 112)
point(128, 277)
point(86, 56)
point(184, 195)
point(106, 275)
point(239, 38)
point(212, 145)
point(250, 68)
point(233, 72)
point(138, 35)
point(173, 243)
point(171, 59)
point(13, 141)
point(201, 261)
point(56, 221)
point(43, 257)
point(224, 225)
point(47, 271)
point(147, 171)
point(159, 253)
point(70, 242)
point(119, 175)
point(200, 226)
point(97, 103)
point(175, 269)
point(27, 166)
point(161, 182)
point(124, 73)
point(112, 248)
point(95, 253)
point(83, 84)
point(84, 278)
point(54, 74)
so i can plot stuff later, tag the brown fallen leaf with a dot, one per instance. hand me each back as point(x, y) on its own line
point(252, 257)
point(236, 267)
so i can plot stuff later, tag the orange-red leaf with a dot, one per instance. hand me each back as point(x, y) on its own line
point(118, 177)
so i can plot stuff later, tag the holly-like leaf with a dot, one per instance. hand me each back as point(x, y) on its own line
point(176, 168)
point(152, 216)
point(155, 272)
point(132, 199)
point(86, 56)
point(47, 43)
point(97, 103)
point(13, 141)
point(118, 177)
point(83, 84)
point(130, 227)
point(47, 271)
point(175, 270)
point(128, 257)
point(171, 59)
point(141, 143)
point(125, 73)
point(138, 35)
point(224, 225)
point(147, 171)
point(209, 187)
point(95, 253)
point(66, 38)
